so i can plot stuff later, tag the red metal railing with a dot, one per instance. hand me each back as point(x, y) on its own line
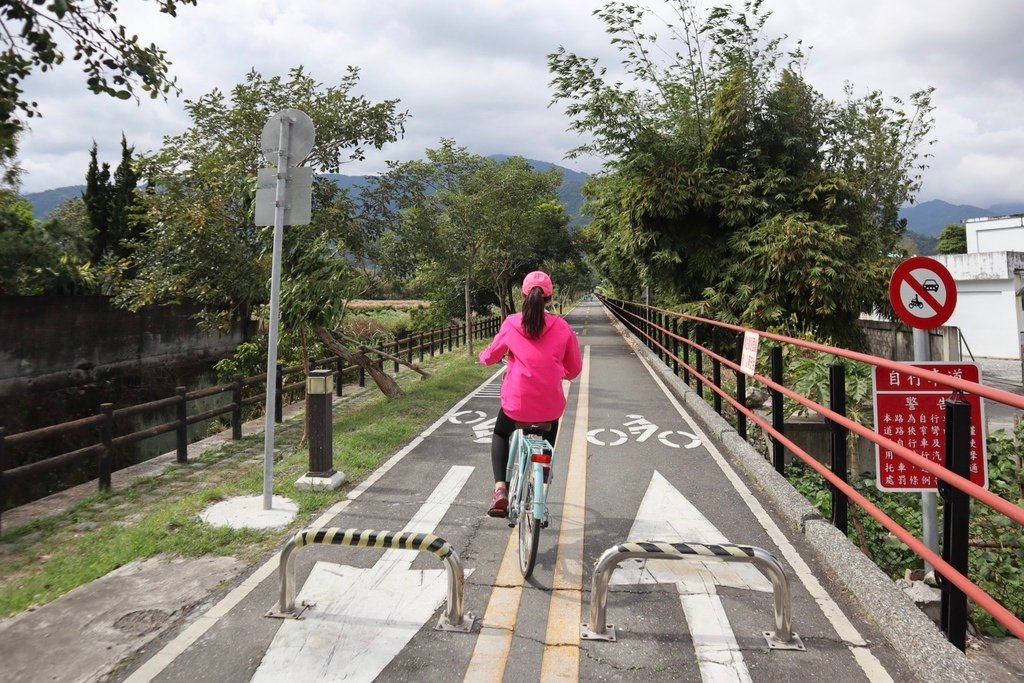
point(642, 320)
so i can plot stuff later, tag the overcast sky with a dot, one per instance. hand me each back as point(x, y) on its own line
point(475, 71)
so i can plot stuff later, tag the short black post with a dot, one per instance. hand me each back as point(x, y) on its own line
point(686, 353)
point(319, 387)
point(279, 394)
point(408, 348)
point(741, 390)
point(837, 402)
point(236, 408)
point(182, 429)
point(340, 382)
point(107, 438)
point(778, 418)
point(716, 368)
point(419, 342)
point(956, 519)
point(698, 361)
point(431, 342)
point(675, 346)
point(394, 350)
point(362, 376)
point(3, 466)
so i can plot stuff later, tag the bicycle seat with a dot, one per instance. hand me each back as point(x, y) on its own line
point(538, 428)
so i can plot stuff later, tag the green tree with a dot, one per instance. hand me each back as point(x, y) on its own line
point(96, 198)
point(113, 59)
point(730, 179)
point(51, 257)
point(953, 239)
point(460, 224)
point(200, 242)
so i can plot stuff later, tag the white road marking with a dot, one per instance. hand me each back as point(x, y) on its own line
point(666, 515)
point(693, 443)
point(467, 417)
point(620, 437)
point(872, 668)
point(162, 659)
point(362, 618)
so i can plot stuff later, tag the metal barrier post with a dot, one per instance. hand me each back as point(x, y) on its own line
point(182, 429)
point(675, 346)
point(778, 418)
point(741, 390)
point(956, 518)
point(107, 437)
point(698, 361)
point(716, 369)
point(837, 438)
point(686, 353)
point(452, 619)
point(783, 638)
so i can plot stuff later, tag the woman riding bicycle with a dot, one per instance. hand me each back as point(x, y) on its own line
point(542, 351)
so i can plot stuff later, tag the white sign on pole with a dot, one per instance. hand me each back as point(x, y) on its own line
point(748, 361)
point(287, 138)
point(298, 201)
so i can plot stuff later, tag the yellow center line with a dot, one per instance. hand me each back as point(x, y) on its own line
point(562, 641)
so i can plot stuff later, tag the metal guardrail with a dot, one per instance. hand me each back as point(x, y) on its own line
point(783, 638)
point(452, 619)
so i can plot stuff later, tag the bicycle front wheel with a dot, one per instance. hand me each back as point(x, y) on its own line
point(529, 527)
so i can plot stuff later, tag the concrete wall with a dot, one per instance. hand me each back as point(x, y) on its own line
point(49, 343)
point(1005, 233)
point(989, 309)
point(895, 341)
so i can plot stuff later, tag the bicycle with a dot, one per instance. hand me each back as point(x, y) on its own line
point(529, 474)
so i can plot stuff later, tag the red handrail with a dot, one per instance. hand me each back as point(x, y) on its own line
point(1006, 618)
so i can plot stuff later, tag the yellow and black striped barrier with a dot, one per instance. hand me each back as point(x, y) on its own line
point(783, 638)
point(452, 619)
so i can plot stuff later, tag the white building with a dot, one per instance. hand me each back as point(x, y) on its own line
point(990, 286)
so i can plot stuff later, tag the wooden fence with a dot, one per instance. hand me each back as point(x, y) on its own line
point(107, 417)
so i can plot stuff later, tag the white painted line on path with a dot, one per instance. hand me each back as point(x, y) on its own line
point(872, 668)
point(161, 660)
point(362, 618)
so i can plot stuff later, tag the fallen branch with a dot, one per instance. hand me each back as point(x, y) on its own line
point(397, 359)
point(386, 384)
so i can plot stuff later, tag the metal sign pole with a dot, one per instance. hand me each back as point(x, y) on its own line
point(275, 297)
point(929, 505)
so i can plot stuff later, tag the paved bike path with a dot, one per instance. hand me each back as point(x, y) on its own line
point(648, 470)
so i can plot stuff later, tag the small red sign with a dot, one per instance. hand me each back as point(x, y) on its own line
point(922, 292)
point(911, 411)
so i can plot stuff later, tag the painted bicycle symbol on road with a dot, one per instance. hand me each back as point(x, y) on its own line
point(643, 429)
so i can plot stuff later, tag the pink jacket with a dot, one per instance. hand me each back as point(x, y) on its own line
point(532, 389)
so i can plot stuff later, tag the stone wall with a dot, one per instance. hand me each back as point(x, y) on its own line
point(895, 341)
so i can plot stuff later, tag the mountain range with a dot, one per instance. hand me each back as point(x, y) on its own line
point(925, 221)
point(570, 192)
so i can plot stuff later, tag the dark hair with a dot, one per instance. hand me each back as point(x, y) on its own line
point(533, 313)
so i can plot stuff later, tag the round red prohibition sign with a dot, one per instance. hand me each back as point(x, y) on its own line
point(922, 292)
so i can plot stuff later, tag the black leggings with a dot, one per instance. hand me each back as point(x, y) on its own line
point(503, 428)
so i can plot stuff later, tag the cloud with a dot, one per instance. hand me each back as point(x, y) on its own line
point(477, 72)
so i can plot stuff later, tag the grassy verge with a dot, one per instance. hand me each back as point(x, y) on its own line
point(46, 558)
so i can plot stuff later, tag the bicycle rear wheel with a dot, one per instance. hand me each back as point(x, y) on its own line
point(529, 527)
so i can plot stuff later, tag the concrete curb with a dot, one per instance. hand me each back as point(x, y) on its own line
point(921, 646)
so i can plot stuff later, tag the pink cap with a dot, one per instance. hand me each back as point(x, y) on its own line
point(537, 278)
